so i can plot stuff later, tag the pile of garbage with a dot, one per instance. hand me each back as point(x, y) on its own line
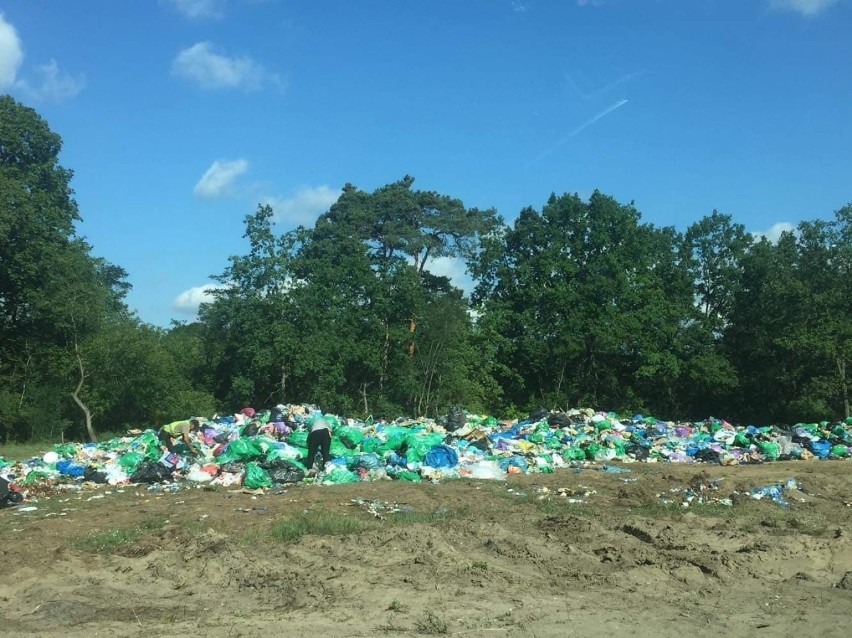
point(254, 452)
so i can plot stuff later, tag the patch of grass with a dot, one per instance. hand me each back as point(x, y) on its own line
point(787, 522)
point(431, 623)
point(428, 518)
point(107, 541)
point(556, 506)
point(480, 565)
point(23, 451)
point(390, 628)
point(318, 524)
point(111, 540)
point(398, 606)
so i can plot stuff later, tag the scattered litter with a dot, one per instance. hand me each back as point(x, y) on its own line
point(381, 508)
point(776, 492)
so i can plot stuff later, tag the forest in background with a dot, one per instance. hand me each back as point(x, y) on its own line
point(578, 303)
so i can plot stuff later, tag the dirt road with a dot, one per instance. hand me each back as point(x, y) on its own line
point(604, 556)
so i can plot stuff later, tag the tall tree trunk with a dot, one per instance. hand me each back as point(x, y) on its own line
point(364, 397)
point(93, 437)
point(412, 326)
point(841, 370)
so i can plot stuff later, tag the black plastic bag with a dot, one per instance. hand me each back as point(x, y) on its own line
point(558, 420)
point(8, 496)
point(707, 456)
point(456, 419)
point(93, 476)
point(538, 414)
point(286, 475)
point(233, 467)
point(150, 473)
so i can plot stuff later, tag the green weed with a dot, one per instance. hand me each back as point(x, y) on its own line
point(318, 524)
point(398, 606)
point(431, 623)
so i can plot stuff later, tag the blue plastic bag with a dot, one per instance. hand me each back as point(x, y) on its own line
point(441, 456)
point(70, 468)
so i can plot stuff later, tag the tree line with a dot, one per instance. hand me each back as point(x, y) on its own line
point(578, 303)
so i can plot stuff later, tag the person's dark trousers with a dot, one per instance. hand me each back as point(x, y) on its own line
point(166, 440)
point(318, 440)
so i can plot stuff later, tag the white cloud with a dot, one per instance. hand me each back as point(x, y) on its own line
point(219, 178)
point(805, 7)
point(188, 301)
point(53, 84)
point(209, 69)
point(50, 83)
point(454, 269)
point(774, 232)
point(11, 53)
point(519, 7)
point(200, 8)
point(304, 207)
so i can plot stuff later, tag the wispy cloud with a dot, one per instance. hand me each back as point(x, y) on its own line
point(188, 301)
point(219, 178)
point(47, 83)
point(210, 69)
point(304, 206)
point(519, 7)
point(11, 53)
point(807, 8)
point(52, 84)
point(196, 9)
point(775, 231)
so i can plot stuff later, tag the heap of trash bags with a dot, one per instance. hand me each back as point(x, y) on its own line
point(253, 452)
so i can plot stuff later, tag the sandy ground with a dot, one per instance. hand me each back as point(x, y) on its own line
point(473, 558)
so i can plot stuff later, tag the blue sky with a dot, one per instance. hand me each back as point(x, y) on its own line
point(180, 116)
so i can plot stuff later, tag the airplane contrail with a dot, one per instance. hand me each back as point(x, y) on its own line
point(591, 121)
point(581, 128)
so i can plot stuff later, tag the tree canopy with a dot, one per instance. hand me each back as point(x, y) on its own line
point(578, 303)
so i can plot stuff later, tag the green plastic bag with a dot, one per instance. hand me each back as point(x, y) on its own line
point(65, 450)
point(418, 445)
point(370, 444)
point(34, 477)
point(740, 440)
point(152, 446)
point(130, 461)
point(769, 450)
point(243, 449)
point(350, 437)
point(839, 450)
point(340, 475)
point(338, 449)
point(394, 442)
point(591, 450)
point(299, 438)
point(407, 475)
point(573, 454)
point(256, 476)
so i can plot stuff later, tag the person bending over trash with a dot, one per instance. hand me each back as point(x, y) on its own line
point(179, 430)
point(318, 439)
